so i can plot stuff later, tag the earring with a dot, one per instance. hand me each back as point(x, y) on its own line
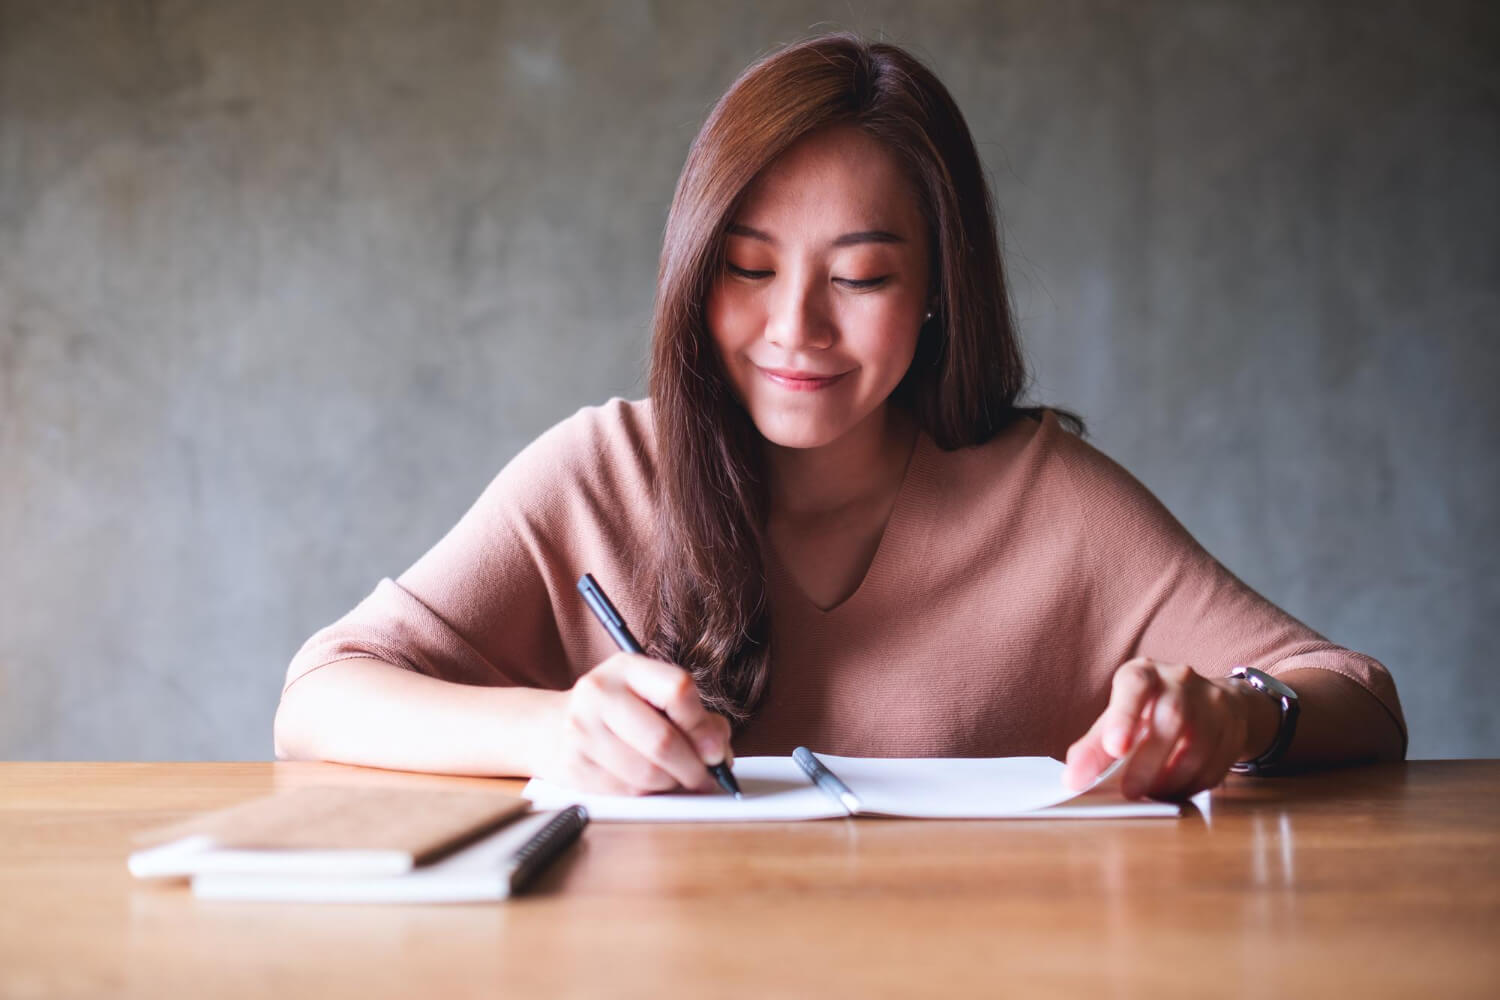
point(928, 318)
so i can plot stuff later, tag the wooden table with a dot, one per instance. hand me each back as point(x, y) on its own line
point(1379, 881)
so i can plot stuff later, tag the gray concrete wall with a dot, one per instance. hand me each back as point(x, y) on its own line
point(283, 284)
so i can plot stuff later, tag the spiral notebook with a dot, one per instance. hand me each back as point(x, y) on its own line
point(788, 788)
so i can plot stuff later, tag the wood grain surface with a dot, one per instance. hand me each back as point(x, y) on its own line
point(1378, 881)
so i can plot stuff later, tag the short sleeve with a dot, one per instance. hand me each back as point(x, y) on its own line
point(482, 606)
point(1156, 592)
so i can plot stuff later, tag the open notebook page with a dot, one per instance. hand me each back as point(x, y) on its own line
point(775, 788)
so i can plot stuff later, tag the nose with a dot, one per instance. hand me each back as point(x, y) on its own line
point(798, 317)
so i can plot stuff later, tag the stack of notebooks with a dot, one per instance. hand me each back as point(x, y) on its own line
point(362, 845)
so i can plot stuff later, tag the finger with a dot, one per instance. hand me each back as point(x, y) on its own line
point(1166, 728)
point(1087, 758)
point(1185, 770)
point(669, 688)
point(1216, 767)
point(1115, 731)
point(655, 738)
point(613, 753)
point(592, 740)
point(711, 738)
point(1181, 764)
point(1136, 684)
point(1198, 755)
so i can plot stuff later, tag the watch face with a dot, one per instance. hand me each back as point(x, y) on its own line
point(1270, 683)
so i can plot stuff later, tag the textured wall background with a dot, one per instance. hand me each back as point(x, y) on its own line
point(283, 284)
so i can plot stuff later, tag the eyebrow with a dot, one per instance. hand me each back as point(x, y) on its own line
point(846, 240)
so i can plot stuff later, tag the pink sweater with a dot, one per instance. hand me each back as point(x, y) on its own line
point(1011, 581)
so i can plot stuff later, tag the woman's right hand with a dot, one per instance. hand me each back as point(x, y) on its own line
point(634, 725)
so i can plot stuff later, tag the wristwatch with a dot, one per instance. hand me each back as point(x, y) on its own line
point(1287, 699)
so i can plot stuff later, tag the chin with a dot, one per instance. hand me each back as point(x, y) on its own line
point(788, 430)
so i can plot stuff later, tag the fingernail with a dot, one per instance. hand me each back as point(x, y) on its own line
point(709, 750)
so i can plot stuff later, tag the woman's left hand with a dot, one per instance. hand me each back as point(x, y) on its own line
point(1186, 730)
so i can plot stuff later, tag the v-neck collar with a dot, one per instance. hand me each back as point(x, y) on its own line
point(892, 552)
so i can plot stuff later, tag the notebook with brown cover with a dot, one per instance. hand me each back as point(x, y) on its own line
point(359, 830)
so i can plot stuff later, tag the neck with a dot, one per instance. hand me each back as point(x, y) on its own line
point(865, 464)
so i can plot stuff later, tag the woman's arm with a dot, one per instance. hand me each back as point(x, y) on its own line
point(469, 662)
point(366, 711)
point(1174, 622)
point(1338, 722)
point(1185, 730)
point(629, 726)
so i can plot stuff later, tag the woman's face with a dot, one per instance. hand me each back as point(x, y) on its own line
point(824, 290)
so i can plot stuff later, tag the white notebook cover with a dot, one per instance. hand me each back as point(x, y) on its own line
point(482, 871)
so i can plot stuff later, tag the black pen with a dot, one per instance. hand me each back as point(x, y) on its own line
point(599, 603)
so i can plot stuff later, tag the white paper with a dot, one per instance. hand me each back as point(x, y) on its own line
point(775, 788)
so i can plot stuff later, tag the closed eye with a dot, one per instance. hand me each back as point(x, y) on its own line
point(855, 284)
point(862, 284)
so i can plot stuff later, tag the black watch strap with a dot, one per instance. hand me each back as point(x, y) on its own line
point(1284, 697)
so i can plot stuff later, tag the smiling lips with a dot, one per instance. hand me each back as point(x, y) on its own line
point(797, 381)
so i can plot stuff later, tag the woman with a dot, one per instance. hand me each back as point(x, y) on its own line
point(831, 521)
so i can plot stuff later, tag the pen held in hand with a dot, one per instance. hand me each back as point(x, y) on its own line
point(614, 624)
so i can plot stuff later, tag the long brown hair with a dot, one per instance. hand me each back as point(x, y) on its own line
point(709, 612)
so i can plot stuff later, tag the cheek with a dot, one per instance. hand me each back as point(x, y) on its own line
point(734, 323)
point(886, 336)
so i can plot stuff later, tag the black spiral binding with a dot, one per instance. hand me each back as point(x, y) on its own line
point(560, 831)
